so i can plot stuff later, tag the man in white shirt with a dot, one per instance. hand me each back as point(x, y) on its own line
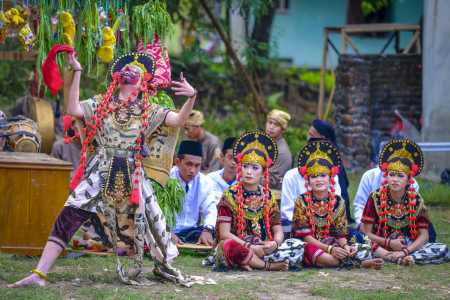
point(225, 177)
point(199, 194)
point(293, 186)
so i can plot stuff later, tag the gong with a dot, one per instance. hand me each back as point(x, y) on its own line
point(41, 112)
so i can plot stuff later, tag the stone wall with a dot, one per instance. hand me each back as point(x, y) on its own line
point(368, 90)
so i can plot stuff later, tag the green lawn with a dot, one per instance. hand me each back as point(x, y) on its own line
point(95, 277)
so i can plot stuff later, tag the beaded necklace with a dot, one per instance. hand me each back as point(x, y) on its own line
point(99, 115)
point(240, 200)
point(319, 232)
point(411, 204)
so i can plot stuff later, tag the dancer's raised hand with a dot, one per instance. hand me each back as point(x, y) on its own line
point(183, 88)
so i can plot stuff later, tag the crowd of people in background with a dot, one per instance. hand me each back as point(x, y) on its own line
point(210, 175)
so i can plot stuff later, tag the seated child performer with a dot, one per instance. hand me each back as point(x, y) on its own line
point(395, 216)
point(225, 177)
point(248, 230)
point(319, 214)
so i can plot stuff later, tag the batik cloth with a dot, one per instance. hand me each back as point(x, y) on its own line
point(429, 253)
point(196, 118)
point(364, 252)
point(300, 221)
point(230, 254)
point(338, 230)
point(227, 254)
point(280, 116)
point(107, 183)
point(398, 214)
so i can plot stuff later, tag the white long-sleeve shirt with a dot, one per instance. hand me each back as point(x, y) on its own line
point(293, 186)
point(200, 195)
point(220, 185)
point(370, 181)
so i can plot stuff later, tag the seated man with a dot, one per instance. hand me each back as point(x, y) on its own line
point(225, 177)
point(211, 144)
point(199, 194)
point(71, 151)
point(276, 126)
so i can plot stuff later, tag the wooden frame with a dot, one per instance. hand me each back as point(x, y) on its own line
point(344, 30)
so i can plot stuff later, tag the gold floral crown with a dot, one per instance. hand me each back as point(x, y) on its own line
point(317, 152)
point(256, 147)
point(406, 151)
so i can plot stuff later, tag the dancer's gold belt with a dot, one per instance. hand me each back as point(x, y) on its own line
point(110, 152)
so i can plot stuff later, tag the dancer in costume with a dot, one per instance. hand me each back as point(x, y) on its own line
point(319, 214)
point(324, 130)
point(248, 230)
point(395, 216)
point(112, 180)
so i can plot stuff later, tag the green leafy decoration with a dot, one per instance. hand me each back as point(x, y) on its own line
point(170, 199)
point(150, 19)
point(163, 100)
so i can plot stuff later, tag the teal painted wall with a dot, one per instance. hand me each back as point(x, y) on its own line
point(299, 34)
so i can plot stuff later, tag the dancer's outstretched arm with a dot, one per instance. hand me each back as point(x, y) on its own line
point(73, 105)
point(184, 88)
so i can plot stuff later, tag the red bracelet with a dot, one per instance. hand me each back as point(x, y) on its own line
point(387, 243)
point(278, 242)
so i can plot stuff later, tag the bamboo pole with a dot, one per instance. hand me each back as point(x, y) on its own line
point(411, 42)
point(343, 42)
point(234, 57)
point(350, 42)
point(330, 98)
point(322, 74)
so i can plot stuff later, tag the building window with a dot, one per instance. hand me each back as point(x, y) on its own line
point(282, 7)
point(355, 15)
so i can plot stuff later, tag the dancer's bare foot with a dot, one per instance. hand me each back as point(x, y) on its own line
point(408, 261)
point(247, 267)
point(376, 263)
point(280, 266)
point(33, 279)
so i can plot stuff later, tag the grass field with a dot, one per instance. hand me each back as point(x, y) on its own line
point(95, 277)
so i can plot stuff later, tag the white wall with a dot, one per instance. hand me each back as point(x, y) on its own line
point(436, 87)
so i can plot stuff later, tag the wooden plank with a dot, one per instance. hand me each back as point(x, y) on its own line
point(411, 42)
point(322, 74)
point(350, 42)
point(18, 55)
point(14, 213)
point(30, 251)
point(48, 193)
point(343, 42)
point(418, 46)
point(36, 167)
point(42, 161)
point(330, 98)
point(380, 27)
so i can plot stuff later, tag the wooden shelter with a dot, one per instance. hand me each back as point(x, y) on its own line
point(360, 28)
